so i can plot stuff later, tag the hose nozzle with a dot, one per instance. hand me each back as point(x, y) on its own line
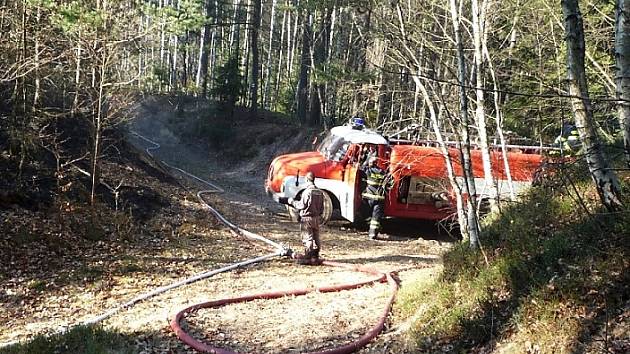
point(285, 252)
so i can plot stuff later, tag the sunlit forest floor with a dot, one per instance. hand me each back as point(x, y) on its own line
point(553, 276)
point(63, 262)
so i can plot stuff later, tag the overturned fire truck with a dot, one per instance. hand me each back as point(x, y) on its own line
point(419, 186)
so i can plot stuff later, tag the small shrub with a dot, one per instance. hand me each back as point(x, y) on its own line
point(80, 339)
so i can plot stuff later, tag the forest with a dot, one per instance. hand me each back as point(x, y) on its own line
point(248, 79)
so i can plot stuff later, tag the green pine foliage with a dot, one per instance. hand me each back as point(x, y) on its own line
point(228, 85)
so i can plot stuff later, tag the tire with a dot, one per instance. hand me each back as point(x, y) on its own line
point(326, 213)
point(328, 208)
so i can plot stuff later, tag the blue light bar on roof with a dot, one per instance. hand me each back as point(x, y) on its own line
point(357, 123)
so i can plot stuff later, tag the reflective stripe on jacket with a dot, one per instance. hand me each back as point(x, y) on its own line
point(375, 189)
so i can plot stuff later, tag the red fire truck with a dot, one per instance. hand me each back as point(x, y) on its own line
point(420, 188)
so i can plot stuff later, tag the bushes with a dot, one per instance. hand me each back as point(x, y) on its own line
point(554, 269)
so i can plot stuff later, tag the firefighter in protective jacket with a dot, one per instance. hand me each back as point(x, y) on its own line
point(311, 206)
point(374, 195)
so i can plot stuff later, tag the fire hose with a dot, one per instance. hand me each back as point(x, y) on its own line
point(347, 348)
point(280, 250)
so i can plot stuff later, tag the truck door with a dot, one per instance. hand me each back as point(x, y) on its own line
point(351, 197)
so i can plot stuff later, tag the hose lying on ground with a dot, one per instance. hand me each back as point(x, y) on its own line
point(347, 348)
point(279, 250)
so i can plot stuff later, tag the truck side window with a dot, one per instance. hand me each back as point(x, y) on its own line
point(341, 152)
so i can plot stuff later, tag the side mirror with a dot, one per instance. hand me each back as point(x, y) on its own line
point(297, 178)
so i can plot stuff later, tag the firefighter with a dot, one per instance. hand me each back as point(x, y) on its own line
point(311, 206)
point(374, 195)
point(367, 152)
point(569, 139)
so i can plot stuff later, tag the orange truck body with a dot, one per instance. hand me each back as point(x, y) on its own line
point(420, 188)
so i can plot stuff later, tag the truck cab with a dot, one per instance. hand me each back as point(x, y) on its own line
point(336, 164)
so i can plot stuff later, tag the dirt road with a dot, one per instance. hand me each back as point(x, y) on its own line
point(182, 239)
point(312, 322)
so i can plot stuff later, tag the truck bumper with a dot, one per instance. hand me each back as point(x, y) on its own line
point(275, 196)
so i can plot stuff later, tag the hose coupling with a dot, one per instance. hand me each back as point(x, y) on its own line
point(286, 251)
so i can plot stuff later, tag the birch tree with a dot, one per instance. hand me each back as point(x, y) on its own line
point(479, 29)
point(622, 56)
point(464, 142)
point(604, 178)
point(305, 61)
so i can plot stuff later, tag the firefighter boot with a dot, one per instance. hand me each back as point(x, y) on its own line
point(309, 257)
point(373, 231)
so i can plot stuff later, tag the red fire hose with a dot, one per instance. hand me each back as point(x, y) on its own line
point(347, 348)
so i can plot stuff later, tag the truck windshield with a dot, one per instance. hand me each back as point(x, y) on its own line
point(333, 147)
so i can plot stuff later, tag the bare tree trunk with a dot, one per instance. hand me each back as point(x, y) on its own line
point(186, 62)
point(173, 72)
point(201, 80)
point(318, 60)
point(77, 77)
point(293, 40)
point(37, 93)
point(604, 178)
point(267, 78)
point(162, 33)
point(279, 67)
point(97, 127)
point(246, 41)
point(469, 179)
point(478, 24)
point(212, 61)
point(499, 124)
point(461, 215)
point(622, 56)
point(253, 111)
point(303, 83)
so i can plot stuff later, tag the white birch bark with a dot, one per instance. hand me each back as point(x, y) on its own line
point(162, 33)
point(36, 94)
point(499, 124)
point(457, 189)
point(469, 182)
point(202, 51)
point(435, 123)
point(604, 178)
point(478, 26)
point(622, 60)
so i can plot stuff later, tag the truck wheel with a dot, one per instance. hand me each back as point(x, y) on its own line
point(328, 208)
point(294, 214)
